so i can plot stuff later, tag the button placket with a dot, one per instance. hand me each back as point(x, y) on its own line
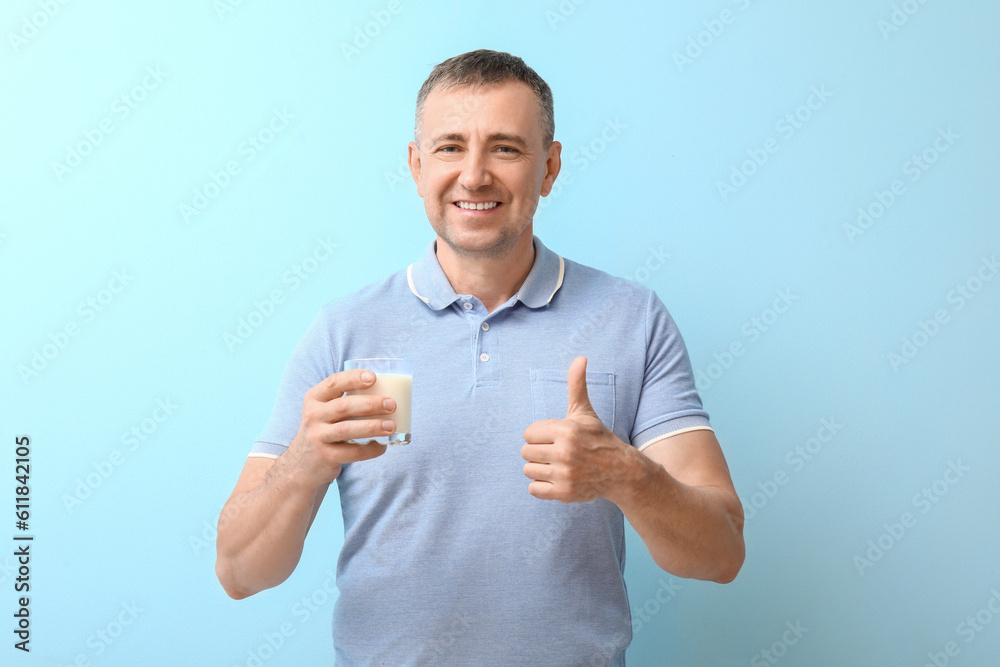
point(487, 362)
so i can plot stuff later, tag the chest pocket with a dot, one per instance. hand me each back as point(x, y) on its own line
point(550, 389)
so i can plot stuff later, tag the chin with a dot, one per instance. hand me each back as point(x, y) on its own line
point(481, 245)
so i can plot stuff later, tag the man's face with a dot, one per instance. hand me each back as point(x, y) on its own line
point(481, 165)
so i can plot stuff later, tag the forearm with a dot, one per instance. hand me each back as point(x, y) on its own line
point(262, 531)
point(692, 532)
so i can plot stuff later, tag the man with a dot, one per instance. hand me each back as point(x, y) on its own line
point(454, 551)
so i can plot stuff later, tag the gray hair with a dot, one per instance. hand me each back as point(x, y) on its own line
point(484, 67)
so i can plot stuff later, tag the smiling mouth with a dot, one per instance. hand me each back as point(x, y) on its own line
point(477, 205)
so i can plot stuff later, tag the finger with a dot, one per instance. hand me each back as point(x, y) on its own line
point(360, 429)
point(542, 490)
point(538, 471)
point(542, 432)
point(579, 400)
point(335, 385)
point(352, 452)
point(364, 405)
point(538, 453)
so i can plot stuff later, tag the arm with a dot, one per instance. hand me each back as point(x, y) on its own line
point(678, 495)
point(263, 525)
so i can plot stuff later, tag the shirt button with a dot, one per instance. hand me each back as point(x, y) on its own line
point(467, 305)
point(484, 357)
point(486, 326)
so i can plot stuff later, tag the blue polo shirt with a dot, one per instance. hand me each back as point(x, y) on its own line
point(447, 559)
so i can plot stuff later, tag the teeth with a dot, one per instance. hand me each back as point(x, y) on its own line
point(480, 206)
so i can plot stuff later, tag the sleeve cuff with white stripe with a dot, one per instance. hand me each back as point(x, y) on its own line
point(268, 450)
point(669, 428)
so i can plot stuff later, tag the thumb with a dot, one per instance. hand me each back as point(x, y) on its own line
point(579, 401)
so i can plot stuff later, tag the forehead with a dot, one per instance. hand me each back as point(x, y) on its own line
point(509, 107)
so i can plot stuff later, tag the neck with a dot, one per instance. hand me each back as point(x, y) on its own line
point(493, 280)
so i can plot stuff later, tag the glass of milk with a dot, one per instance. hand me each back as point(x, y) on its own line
point(393, 378)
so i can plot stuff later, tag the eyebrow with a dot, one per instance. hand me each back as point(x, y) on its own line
point(493, 138)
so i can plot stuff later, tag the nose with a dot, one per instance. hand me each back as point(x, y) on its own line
point(475, 171)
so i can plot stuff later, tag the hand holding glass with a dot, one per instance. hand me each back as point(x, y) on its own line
point(393, 379)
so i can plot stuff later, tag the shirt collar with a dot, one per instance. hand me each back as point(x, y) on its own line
point(429, 284)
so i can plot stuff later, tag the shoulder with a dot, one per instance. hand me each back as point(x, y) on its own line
point(596, 286)
point(612, 301)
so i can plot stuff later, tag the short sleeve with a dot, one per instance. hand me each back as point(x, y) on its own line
point(311, 362)
point(668, 399)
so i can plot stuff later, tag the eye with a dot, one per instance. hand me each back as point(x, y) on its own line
point(508, 150)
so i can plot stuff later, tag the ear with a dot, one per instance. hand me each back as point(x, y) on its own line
point(413, 158)
point(553, 163)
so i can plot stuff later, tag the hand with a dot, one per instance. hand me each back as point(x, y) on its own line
point(319, 448)
point(575, 459)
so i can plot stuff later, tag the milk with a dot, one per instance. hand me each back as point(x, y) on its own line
point(397, 387)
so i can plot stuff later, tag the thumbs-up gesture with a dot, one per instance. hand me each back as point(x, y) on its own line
point(575, 459)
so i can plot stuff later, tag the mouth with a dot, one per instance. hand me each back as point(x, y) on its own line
point(477, 205)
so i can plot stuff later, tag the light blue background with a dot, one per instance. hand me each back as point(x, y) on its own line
point(144, 536)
